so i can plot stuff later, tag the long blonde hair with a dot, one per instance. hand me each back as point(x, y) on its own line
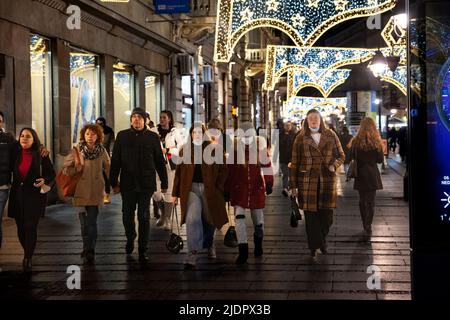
point(368, 137)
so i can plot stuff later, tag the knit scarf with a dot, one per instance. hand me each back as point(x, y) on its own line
point(89, 154)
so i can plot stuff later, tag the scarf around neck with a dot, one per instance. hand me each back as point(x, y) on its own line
point(90, 154)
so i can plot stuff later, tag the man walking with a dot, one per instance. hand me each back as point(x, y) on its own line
point(136, 154)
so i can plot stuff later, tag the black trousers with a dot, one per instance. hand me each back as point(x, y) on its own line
point(27, 232)
point(107, 183)
point(131, 199)
point(317, 227)
point(367, 207)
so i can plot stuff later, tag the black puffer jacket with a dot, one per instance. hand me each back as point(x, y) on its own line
point(7, 142)
point(136, 156)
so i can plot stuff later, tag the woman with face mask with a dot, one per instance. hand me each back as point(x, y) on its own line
point(316, 154)
point(171, 140)
point(250, 179)
point(200, 187)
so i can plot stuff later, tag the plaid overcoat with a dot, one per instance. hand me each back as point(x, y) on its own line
point(310, 172)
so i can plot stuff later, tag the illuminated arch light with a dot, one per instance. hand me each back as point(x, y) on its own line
point(397, 78)
point(280, 59)
point(324, 81)
point(297, 107)
point(303, 20)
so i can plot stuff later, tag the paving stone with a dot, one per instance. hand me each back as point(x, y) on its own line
point(284, 272)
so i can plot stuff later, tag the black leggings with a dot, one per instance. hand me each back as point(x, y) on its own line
point(27, 232)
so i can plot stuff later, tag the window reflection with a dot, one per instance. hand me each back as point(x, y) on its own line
point(84, 90)
point(41, 92)
point(123, 96)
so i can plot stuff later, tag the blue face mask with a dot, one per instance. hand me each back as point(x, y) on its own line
point(314, 130)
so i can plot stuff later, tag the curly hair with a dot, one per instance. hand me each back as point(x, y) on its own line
point(368, 137)
point(98, 130)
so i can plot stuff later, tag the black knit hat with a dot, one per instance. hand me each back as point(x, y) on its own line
point(140, 112)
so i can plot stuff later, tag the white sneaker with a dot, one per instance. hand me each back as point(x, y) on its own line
point(190, 260)
point(212, 252)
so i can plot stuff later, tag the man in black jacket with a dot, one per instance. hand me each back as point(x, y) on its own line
point(136, 154)
point(7, 143)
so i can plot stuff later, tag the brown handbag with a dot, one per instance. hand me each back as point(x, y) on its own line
point(66, 183)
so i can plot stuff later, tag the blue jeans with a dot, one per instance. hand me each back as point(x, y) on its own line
point(88, 221)
point(3, 200)
point(200, 234)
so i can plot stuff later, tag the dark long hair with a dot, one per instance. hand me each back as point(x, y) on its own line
point(34, 147)
point(36, 142)
point(306, 129)
point(170, 115)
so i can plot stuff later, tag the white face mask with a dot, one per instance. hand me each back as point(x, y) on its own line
point(314, 130)
point(247, 140)
point(198, 142)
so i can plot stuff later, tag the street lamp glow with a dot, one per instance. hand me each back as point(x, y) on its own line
point(401, 20)
point(393, 111)
point(377, 101)
point(378, 64)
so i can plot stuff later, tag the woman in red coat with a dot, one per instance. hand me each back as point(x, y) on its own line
point(250, 178)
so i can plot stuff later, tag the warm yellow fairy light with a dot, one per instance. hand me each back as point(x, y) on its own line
point(303, 20)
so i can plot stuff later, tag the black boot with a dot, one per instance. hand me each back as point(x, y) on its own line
point(243, 253)
point(156, 210)
point(258, 246)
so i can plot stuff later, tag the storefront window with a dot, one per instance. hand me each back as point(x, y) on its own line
point(41, 88)
point(188, 101)
point(153, 97)
point(123, 96)
point(84, 90)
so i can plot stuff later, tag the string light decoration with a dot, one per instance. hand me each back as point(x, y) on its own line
point(323, 80)
point(398, 78)
point(303, 20)
point(295, 108)
point(280, 59)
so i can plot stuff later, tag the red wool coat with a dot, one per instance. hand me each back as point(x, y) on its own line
point(247, 185)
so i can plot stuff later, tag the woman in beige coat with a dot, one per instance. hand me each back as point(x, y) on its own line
point(91, 158)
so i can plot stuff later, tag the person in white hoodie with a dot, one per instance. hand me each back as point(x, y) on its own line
point(172, 141)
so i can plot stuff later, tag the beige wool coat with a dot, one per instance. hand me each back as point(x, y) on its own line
point(90, 188)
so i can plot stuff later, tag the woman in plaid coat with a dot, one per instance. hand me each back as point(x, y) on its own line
point(316, 155)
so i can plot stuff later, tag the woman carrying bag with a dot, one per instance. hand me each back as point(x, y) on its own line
point(200, 188)
point(248, 184)
point(92, 159)
point(32, 174)
point(172, 141)
point(367, 151)
point(316, 156)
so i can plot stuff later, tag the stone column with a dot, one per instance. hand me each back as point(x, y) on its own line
point(61, 98)
point(107, 88)
point(139, 84)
